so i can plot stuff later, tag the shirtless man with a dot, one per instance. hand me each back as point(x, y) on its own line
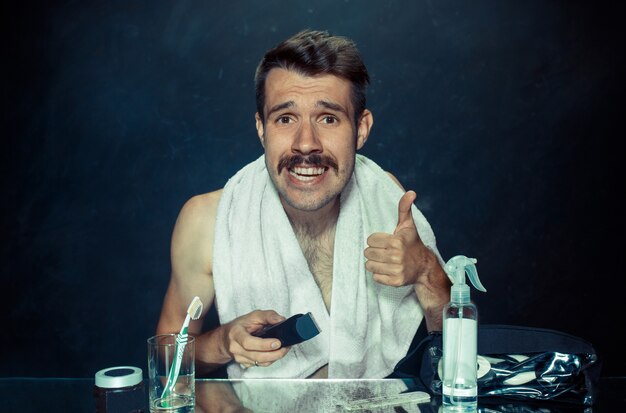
point(310, 126)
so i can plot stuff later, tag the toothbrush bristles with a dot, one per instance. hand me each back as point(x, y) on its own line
point(195, 308)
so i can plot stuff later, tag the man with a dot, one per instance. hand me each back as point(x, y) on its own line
point(309, 227)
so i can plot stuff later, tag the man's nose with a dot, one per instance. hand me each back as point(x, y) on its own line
point(306, 140)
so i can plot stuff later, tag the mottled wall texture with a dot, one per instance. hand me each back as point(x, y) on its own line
point(506, 118)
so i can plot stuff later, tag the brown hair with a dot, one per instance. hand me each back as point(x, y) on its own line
point(312, 53)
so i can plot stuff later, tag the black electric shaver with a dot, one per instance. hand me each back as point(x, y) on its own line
point(294, 330)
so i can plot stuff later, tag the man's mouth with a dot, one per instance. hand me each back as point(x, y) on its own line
point(306, 174)
point(307, 169)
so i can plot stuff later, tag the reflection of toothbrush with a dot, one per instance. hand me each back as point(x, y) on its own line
point(193, 313)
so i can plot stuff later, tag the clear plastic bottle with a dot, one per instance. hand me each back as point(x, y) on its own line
point(460, 327)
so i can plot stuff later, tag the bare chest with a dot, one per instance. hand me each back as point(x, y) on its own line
point(319, 255)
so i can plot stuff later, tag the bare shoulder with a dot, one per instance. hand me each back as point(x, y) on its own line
point(192, 240)
point(201, 207)
point(393, 178)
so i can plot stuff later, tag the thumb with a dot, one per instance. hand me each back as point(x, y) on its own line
point(405, 218)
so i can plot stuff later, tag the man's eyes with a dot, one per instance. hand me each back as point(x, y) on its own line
point(325, 119)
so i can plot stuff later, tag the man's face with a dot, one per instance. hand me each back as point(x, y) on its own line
point(310, 137)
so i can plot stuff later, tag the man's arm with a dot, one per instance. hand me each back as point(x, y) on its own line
point(192, 275)
point(190, 254)
point(401, 258)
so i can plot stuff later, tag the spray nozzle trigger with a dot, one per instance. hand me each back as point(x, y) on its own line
point(458, 266)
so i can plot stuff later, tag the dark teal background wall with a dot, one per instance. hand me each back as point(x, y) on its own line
point(505, 117)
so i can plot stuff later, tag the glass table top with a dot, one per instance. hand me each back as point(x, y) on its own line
point(306, 395)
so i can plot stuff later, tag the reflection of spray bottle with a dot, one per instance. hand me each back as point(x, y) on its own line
point(460, 338)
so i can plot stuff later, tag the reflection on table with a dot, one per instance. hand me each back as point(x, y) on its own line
point(376, 396)
point(305, 395)
point(38, 395)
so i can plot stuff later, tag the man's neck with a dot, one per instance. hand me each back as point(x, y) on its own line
point(314, 223)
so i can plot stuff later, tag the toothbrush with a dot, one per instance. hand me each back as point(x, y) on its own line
point(193, 313)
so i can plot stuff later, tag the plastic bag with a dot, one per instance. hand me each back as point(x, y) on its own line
point(520, 363)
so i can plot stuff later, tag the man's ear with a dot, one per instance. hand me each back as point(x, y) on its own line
point(363, 128)
point(259, 128)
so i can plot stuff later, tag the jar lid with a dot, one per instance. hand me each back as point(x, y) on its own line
point(121, 376)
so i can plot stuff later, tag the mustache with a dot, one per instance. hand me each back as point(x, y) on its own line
point(314, 159)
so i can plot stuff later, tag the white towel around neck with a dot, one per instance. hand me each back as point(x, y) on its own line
point(258, 264)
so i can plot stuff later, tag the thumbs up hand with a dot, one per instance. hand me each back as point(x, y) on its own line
point(400, 258)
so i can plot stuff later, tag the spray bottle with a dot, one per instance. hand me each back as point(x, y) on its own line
point(460, 329)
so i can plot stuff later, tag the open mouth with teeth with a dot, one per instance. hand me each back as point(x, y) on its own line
point(306, 174)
